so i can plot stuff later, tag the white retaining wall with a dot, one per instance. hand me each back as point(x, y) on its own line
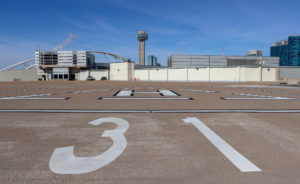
point(238, 74)
point(177, 74)
point(224, 74)
point(97, 74)
point(22, 75)
point(200, 74)
point(158, 75)
point(141, 75)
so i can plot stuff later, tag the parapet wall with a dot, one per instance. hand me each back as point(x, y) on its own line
point(96, 74)
point(19, 75)
point(238, 74)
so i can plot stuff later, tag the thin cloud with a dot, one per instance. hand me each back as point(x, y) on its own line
point(73, 22)
point(106, 25)
point(66, 42)
point(164, 31)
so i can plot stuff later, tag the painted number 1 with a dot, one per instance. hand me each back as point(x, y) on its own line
point(63, 160)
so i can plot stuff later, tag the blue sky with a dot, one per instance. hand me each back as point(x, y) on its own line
point(182, 26)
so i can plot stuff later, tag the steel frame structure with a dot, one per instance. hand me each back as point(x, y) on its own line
point(19, 64)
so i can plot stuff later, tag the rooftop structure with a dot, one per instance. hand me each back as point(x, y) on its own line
point(279, 43)
point(254, 53)
point(190, 61)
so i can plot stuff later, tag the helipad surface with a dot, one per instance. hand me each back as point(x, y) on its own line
point(83, 132)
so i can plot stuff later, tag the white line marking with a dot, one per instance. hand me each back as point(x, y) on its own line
point(133, 98)
point(88, 91)
point(262, 98)
point(241, 162)
point(144, 92)
point(27, 98)
point(152, 111)
point(199, 90)
point(74, 111)
point(124, 93)
point(167, 93)
point(255, 95)
point(63, 160)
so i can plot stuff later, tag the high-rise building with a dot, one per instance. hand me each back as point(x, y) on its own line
point(294, 50)
point(152, 60)
point(288, 51)
point(142, 36)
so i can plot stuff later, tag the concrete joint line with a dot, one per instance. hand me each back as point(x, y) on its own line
point(151, 111)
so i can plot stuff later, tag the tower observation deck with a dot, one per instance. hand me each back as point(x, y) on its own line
point(142, 36)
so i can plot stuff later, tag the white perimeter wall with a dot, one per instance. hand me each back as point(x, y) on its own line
point(205, 74)
point(97, 74)
point(23, 75)
point(158, 75)
point(200, 74)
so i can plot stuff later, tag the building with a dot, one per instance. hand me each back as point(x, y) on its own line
point(62, 64)
point(152, 61)
point(254, 53)
point(288, 51)
point(192, 61)
point(80, 65)
point(142, 36)
point(121, 71)
point(280, 49)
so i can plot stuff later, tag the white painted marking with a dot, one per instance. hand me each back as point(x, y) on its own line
point(242, 163)
point(167, 93)
point(33, 97)
point(144, 92)
point(63, 160)
point(254, 95)
point(152, 111)
point(227, 111)
point(88, 91)
point(133, 98)
point(199, 90)
point(124, 93)
point(262, 98)
point(74, 111)
point(29, 98)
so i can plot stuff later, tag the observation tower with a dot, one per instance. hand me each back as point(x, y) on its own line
point(142, 36)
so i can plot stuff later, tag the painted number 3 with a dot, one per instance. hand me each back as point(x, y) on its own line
point(63, 160)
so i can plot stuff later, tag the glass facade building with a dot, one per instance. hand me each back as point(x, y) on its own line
point(152, 61)
point(288, 51)
point(294, 51)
